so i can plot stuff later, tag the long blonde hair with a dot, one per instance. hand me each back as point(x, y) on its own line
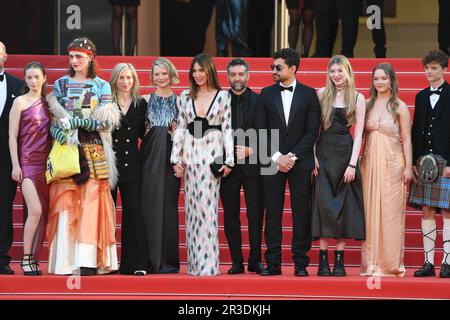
point(329, 94)
point(393, 102)
point(115, 76)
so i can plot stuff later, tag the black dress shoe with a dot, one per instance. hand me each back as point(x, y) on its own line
point(300, 271)
point(5, 269)
point(84, 271)
point(236, 269)
point(445, 271)
point(258, 268)
point(427, 270)
point(271, 271)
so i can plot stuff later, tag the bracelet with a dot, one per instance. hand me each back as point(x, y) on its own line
point(352, 166)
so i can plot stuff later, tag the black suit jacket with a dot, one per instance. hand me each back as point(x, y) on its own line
point(125, 142)
point(250, 170)
point(14, 88)
point(440, 131)
point(301, 132)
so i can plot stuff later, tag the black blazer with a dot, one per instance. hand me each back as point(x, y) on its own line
point(302, 130)
point(441, 126)
point(250, 170)
point(14, 87)
point(125, 142)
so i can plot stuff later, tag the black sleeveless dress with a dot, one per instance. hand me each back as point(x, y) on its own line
point(338, 209)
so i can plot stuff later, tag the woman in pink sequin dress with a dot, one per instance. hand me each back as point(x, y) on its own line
point(30, 144)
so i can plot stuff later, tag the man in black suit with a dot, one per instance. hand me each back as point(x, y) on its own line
point(10, 88)
point(246, 173)
point(291, 109)
point(430, 135)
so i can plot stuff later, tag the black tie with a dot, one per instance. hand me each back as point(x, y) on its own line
point(435, 92)
point(287, 88)
point(438, 91)
point(2, 76)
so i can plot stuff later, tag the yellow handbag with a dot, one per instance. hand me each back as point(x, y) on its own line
point(62, 162)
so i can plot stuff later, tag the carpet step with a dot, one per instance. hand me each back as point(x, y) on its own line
point(18, 200)
point(244, 286)
point(413, 239)
point(183, 63)
point(413, 257)
point(260, 79)
point(413, 218)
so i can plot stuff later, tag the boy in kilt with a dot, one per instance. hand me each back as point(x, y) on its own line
point(431, 156)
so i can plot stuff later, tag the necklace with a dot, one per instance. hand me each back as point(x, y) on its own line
point(339, 91)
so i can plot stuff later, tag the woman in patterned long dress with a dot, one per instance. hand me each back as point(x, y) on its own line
point(29, 144)
point(386, 169)
point(160, 187)
point(203, 107)
point(82, 216)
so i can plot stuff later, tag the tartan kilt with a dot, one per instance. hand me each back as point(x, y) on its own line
point(435, 194)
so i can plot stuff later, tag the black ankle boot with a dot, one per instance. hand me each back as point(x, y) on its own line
point(324, 267)
point(88, 271)
point(339, 269)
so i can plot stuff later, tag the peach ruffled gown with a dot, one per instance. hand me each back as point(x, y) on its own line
point(384, 196)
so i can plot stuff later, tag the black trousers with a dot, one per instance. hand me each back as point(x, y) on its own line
point(260, 23)
point(379, 35)
point(133, 253)
point(327, 14)
point(47, 14)
point(230, 188)
point(201, 11)
point(300, 191)
point(444, 26)
point(9, 188)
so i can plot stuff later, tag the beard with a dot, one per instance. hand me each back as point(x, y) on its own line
point(277, 78)
point(238, 86)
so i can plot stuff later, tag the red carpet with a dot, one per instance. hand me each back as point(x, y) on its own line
point(246, 286)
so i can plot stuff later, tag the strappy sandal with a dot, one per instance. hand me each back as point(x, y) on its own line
point(29, 266)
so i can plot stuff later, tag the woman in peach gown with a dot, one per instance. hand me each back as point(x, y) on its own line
point(386, 169)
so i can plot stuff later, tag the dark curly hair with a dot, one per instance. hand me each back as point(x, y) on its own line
point(290, 56)
point(436, 56)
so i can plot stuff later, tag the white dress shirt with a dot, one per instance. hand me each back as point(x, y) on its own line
point(286, 98)
point(434, 98)
point(3, 93)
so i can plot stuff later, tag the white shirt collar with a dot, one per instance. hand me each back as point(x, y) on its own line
point(436, 89)
point(293, 84)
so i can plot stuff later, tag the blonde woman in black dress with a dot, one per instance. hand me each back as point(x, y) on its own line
point(338, 210)
point(160, 186)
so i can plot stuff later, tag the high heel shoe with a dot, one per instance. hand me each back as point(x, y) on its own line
point(29, 266)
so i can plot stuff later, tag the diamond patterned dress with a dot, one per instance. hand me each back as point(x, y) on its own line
point(201, 188)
